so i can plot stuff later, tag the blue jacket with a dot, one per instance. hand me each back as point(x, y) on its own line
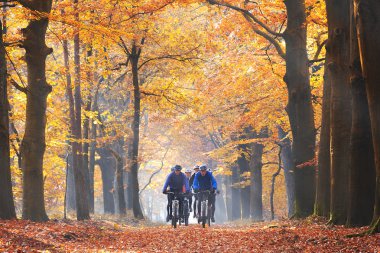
point(206, 182)
point(176, 183)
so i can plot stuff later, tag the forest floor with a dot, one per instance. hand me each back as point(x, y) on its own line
point(103, 236)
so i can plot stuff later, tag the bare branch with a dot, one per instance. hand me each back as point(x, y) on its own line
point(17, 86)
point(249, 14)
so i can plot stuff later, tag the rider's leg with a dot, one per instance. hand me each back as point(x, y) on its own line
point(212, 202)
point(169, 208)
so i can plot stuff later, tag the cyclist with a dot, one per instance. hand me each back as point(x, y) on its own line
point(177, 182)
point(188, 177)
point(196, 170)
point(206, 181)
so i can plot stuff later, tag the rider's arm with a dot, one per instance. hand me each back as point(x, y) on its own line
point(213, 182)
point(196, 182)
point(166, 183)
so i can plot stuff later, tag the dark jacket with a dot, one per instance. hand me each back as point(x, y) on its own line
point(206, 182)
point(176, 183)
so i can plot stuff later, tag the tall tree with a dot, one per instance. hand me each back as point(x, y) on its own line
point(337, 50)
point(134, 162)
point(368, 28)
point(7, 208)
point(256, 164)
point(322, 199)
point(362, 172)
point(299, 108)
point(80, 173)
point(34, 144)
point(287, 163)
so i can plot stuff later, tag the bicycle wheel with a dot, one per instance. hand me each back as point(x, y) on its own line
point(204, 213)
point(186, 212)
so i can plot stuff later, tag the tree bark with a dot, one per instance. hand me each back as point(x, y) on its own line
point(322, 200)
point(362, 174)
point(368, 28)
point(337, 49)
point(33, 144)
point(134, 162)
point(7, 207)
point(287, 162)
point(299, 108)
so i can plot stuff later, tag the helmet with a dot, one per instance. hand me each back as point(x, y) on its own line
point(203, 167)
point(172, 168)
point(188, 171)
point(196, 167)
point(178, 167)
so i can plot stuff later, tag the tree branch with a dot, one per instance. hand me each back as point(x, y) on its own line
point(156, 172)
point(249, 14)
point(17, 86)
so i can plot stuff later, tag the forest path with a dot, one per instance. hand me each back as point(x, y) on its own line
point(94, 236)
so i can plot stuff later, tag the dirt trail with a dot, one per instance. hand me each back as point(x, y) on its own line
point(92, 236)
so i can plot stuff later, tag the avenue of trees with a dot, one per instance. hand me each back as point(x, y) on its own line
point(282, 97)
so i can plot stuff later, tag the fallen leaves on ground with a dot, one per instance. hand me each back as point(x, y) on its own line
point(99, 236)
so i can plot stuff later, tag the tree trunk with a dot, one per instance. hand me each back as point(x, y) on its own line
point(322, 201)
point(7, 207)
point(134, 162)
point(274, 181)
point(256, 165)
point(92, 159)
point(107, 167)
point(33, 144)
point(119, 185)
point(368, 29)
point(86, 147)
point(71, 204)
point(362, 175)
point(338, 48)
point(235, 194)
point(299, 108)
point(80, 173)
point(243, 162)
point(287, 162)
point(70, 185)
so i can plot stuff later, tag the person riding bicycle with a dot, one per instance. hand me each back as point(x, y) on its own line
point(206, 181)
point(177, 182)
point(191, 181)
point(188, 177)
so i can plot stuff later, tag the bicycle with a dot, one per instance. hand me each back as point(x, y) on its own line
point(175, 208)
point(205, 212)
